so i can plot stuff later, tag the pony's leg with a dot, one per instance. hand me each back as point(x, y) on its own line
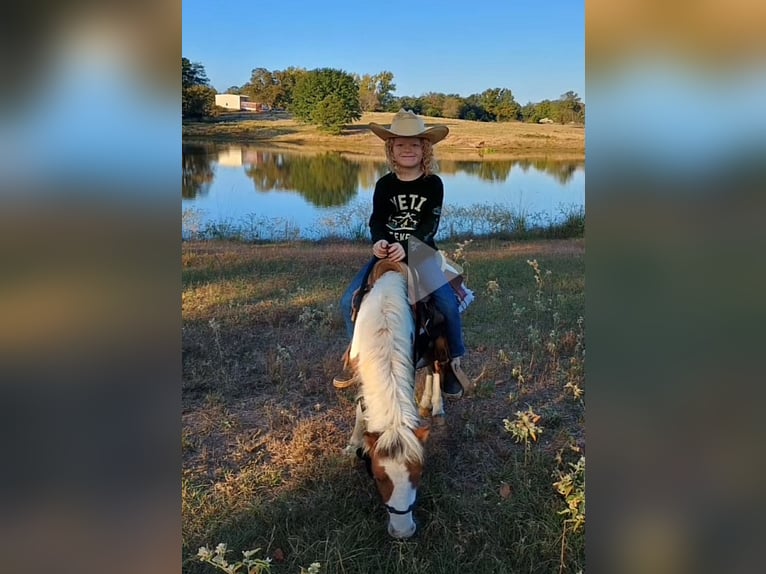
point(425, 398)
point(357, 435)
point(437, 401)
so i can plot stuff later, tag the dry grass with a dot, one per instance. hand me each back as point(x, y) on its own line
point(263, 429)
point(467, 138)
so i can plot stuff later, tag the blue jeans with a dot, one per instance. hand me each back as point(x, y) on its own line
point(444, 298)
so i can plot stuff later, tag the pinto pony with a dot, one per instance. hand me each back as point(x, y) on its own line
point(387, 428)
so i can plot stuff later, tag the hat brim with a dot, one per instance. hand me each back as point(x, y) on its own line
point(433, 134)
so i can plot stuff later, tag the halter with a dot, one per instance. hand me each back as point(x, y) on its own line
point(393, 510)
point(368, 465)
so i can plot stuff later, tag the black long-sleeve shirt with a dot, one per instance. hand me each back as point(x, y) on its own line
point(404, 208)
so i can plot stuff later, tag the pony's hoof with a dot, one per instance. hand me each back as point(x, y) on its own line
point(439, 421)
point(350, 450)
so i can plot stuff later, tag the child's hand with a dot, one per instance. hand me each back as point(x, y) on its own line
point(380, 249)
point(396, 252)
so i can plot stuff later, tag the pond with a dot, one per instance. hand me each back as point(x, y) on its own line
point(261, 193)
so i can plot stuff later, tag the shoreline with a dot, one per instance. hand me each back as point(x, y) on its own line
point(467, 139)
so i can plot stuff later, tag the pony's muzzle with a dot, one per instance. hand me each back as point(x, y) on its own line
point(403, 534)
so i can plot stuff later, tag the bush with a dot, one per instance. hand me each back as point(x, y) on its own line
point(198, 102)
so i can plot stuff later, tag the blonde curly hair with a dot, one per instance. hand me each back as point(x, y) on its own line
point(427, 164)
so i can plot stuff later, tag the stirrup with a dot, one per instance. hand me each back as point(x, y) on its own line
point(460, 375)
point(344, 380)
point(451, 385)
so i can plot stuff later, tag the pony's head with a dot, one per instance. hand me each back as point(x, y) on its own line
point(396, 464)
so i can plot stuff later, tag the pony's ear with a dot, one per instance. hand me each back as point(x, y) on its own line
point(422, 434)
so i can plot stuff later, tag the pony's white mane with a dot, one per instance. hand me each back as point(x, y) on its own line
point(383, 338)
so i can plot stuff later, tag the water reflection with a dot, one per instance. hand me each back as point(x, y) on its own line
point(562, 171)
point(332, 179)
point(500, 170)
point(197, 171)
point(496, 171)
point(325, 180)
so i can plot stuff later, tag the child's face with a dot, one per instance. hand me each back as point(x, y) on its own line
point(408, 152)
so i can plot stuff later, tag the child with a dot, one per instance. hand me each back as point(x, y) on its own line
point(406, 207)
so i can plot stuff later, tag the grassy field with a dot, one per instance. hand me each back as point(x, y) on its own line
point(263, 428)
point(466, 139)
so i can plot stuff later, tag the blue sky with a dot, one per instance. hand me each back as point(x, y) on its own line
point(536, 49)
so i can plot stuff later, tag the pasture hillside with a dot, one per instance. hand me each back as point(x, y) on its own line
point(466, 139)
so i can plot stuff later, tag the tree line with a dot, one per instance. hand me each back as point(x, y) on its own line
point(331, 98)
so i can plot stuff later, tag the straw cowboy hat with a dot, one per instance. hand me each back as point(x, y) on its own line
point(407, 125)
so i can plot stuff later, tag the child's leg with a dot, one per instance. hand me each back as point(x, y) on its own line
point(445, 300)
point(346, 299)
point(455, 381)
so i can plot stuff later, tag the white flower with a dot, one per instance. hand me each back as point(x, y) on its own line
point(221, 548)
point(204, 553)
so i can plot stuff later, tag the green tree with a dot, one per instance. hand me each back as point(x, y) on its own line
point(198, 102)
point(527, 112)
point(330, 114)
point(500, 103)
point(312, 102)
point(197, 97)
point(534, 112)
point(286, 82)
point(415, 105)
point(571, 108)
point(375, 91)
point(368, 96)
point(432, 104)
point(474, 109)
point(262, 87)
point(192, 74)
point(453, 106)
point(285, 86)
point(386, 87)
